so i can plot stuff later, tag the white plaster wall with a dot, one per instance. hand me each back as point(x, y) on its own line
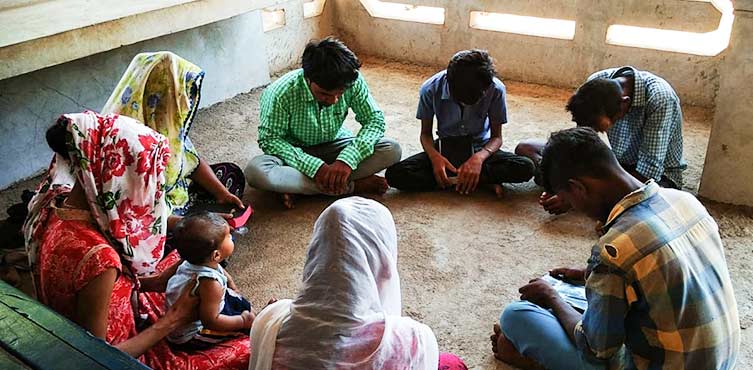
point(285, 45)
point(564, 63)
point(728, 172)
point(232, 52)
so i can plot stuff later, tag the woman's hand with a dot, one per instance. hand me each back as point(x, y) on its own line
point(229, 198)
point(184, 310)
point(272, 300)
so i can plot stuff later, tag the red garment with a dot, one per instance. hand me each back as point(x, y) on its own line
point(73, 252)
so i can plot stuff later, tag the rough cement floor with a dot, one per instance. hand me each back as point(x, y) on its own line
point(462, 258)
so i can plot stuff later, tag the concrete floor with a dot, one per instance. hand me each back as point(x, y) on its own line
point(462, 258)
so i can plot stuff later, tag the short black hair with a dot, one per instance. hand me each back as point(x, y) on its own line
point(572, 153)
point(469, 74)
point(595, 98)
point(330, 64)
point(199, 234)
point(59, 139)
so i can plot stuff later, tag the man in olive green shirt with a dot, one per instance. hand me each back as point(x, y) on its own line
point(306, 148)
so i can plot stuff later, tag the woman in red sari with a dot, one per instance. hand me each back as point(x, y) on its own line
point(96, 234)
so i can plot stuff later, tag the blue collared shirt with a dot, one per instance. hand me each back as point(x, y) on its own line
point(649, 137)
point(435, 101)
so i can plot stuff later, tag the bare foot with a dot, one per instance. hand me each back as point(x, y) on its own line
point(288, 200)
point(506, 352)
point(499, 190)
point(371, 185)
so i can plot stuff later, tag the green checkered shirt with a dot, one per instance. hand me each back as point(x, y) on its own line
point(291, 119)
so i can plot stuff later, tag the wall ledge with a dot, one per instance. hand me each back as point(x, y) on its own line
point(99, 26)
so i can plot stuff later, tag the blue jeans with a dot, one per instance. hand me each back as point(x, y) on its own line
point(537, 334)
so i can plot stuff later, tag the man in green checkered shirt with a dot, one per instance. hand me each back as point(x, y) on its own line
point(306, 148)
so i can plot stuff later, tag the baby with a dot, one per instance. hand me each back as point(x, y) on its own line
point(203, 241)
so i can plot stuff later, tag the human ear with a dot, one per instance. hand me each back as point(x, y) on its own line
point(626, 100)
point(216, 255)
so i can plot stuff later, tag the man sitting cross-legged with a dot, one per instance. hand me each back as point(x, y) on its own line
point(658, 288)
point(306, 149)
point(469, 104)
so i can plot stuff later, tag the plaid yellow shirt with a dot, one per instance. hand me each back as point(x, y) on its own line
point(291, 119)
point(658, 284)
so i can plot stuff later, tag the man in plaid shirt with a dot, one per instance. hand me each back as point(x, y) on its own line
point(657, 284)
point(641, 114)
point(306, 148)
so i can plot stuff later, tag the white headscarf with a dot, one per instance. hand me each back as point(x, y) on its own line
point(347, 315)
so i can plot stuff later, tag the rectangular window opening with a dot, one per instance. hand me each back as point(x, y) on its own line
point(272, 19)
point(404, 12)
point(524, 25)
point(313, 8)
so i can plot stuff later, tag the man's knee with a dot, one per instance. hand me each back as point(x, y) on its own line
point(524, 169)
point(257, 170)
point(389, 149)
point(529, 148)
point(396, 173)
point(514, 319)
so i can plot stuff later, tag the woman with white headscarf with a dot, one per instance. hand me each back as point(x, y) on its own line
point(347, 315)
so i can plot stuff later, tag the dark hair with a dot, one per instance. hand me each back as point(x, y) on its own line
point(595, 98)
point(199, 234)
point(330, 64)
point(469, 73)
point(58, 137)
point(572, 153)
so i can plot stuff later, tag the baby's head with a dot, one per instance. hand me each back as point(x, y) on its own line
point(203, 238)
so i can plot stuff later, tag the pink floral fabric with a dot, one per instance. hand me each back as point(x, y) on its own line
point(121, 165)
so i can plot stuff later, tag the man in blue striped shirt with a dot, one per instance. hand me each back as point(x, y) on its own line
point(657, 284)
point(641, 114)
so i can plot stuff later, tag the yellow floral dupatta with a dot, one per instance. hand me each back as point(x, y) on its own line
point(162, 90)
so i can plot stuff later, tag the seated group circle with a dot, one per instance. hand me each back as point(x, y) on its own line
point(120, 240)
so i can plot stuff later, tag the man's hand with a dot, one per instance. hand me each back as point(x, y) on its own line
point(469, 174)
point(333, 178)
point(553, 204)
point(441, 165)
point(539, 292)
point(569, 274)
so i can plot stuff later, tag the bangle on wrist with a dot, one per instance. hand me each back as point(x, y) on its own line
point(487, 149)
